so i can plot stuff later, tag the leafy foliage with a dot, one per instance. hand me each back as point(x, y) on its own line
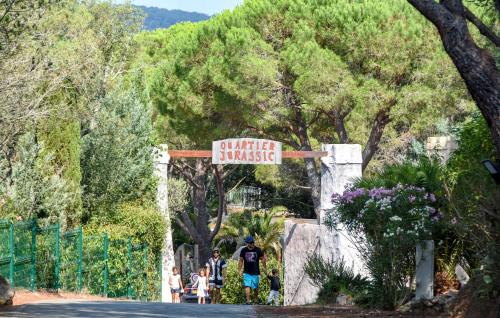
point(234, 292)
point(178, 195)
point(142, 223)
point(423, 172)
point(334, 278)
point(314, 72)
point(75, 55)
point(117, 155)
point(61, 138)
point(474, 200)
point(32, 192)
point(17, 17)
point(266, 231)
point(139, 220)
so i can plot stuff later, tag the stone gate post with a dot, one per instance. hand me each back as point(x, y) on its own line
point(338, 169)
point(161, 161)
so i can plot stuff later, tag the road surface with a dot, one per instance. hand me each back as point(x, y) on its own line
point(118, 309)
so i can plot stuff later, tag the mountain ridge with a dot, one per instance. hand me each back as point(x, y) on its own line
point(159, 18)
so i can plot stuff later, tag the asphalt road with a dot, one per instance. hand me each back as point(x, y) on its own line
point(66, 309)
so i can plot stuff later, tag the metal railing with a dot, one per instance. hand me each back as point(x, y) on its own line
point(34, 257)
point(245, 197)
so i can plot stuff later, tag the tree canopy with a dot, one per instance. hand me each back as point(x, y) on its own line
point(304, 73)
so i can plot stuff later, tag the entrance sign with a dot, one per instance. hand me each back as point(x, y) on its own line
point(246, 151)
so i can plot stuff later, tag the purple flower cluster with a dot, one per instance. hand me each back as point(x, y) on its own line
point(413, 193)
point(379, 193)
point(414, 188)
point(349, 195)
point(434, 215)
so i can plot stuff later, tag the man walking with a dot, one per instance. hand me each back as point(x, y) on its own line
point(249, 268)
point(216, 266)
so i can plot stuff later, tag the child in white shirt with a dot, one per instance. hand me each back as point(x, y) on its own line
point(202, 286)
point(175, 283)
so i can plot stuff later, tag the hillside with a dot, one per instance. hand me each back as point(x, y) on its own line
point(157, 18)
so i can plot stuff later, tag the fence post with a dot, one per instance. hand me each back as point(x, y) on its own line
point(106, 268)
point(11, 254)
point(80, 257)
point(57, 268)
point(129, 268)
point(33, 255)
point(145, 264)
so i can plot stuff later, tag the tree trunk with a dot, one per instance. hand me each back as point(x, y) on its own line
point(476, 65)
point(200, 209)
point(203, 252)
point(378, 126)
point(311, 167)
point(198, 229)
point(314, 183)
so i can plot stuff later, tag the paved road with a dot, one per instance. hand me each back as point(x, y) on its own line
point(65, 309)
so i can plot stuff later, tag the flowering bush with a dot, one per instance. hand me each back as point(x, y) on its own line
point(386, 224)
point(402, 212)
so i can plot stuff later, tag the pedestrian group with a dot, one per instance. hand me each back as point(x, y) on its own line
point(211, 278)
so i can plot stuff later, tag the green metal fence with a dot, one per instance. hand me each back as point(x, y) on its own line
point(35, 257)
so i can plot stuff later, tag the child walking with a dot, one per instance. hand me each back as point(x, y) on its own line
point(274, 293)
point(175, 283)
point(202, 286)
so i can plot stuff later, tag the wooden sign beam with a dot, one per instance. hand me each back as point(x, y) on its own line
point(208, 154)
point(190, 153)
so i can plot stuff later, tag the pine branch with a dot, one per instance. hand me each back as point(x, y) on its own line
point(186, 175)
point(188, 227)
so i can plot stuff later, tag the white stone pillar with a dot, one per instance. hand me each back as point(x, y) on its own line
point(424, 274)
point(342, 164)
point(338, 170)
point(161, 161)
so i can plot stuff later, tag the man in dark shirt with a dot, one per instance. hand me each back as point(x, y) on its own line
point(249, 268)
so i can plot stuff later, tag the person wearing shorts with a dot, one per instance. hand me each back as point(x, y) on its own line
point(249, 268)
point(216, 267)
point(175, 283)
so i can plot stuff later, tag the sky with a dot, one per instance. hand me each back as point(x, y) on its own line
point(204, 6)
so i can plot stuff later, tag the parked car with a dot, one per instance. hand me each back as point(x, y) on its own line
point(190, 293)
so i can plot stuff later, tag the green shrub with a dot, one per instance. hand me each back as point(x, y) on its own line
point(116, 160)
point(141, 222)
point(35, 191)
point(61, 140)
point(474, 216)
point(334, 278)
point(233, 291)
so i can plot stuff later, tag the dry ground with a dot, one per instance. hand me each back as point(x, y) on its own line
point(26, 297)
point(334, 311)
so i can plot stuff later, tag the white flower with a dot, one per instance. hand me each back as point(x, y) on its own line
point(395, 218)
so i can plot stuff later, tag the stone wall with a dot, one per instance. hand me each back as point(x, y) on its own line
point(442, 146)
point(301, 239)
point(305, 237)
